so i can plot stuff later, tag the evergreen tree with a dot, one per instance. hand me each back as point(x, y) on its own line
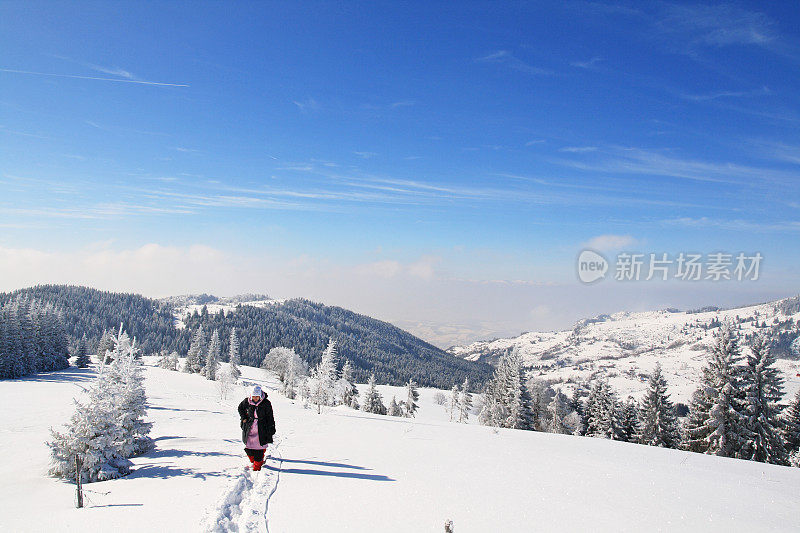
point(394, 408)
point(464, 402)
point(791, 425)
point(233, 357)
point(716, 414)
point(763, 389)
point(507, 402)
point(82, 359)
point(324, 377)
point(127, 379)
point(373, 402)
point(105, 345)
point(659, 425)
point(540, 403)
point(602, 411)
point(558, 411)
point(212, 365)
point(197, 352)
point(518, 399)
point(168, 361)
point(110, 428)
point(412, 396)
point(576, 406)
point(454, 401)
point(349, 391)
point(629, 426)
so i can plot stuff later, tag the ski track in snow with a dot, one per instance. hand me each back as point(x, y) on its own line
point(243, 506)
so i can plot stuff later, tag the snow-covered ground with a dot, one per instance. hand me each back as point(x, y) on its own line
point(345, 470)
point(625, 348)
point(223, 305)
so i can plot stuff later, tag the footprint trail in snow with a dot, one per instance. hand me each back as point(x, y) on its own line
point(243, 506)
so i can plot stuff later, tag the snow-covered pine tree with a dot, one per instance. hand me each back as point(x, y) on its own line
point(212, 358)
point(332, 354)
point(394, 408)
point(105, 345)
point(558, 410)
point(629, 426)
point(576, 405)
point(233, 357)
point(464, 402)
point(410, 405)
point(516, 398)
point(659, 425)
point(324, 377)
point(82, 359)
point(373, 402)
point(763, 389)
point(716, 414)
point(491, 411)
point(110, 427)
point(539, 391)
point(132, 403)
point(349, 391)
point(197, 352)
point(602, 411)
point(791, 425)
point(454, 401)
point(94, 435)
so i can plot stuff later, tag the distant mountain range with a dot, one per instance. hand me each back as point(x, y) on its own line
point(625, 347)
point(371, 345)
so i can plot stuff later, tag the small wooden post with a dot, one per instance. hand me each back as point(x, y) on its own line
point(79, 487)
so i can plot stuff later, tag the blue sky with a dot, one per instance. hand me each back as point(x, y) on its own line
point(419, 162)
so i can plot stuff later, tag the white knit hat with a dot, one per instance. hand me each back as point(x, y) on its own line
point(256, 391)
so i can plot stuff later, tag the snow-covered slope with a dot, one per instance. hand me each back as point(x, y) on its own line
point(189, 304)
point(345, 470)
point(626, 346)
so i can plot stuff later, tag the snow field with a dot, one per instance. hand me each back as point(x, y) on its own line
point(349, 471)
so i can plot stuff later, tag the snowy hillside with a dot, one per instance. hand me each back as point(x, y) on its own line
point(189, 304)
point(626, 346)
point(345, 470)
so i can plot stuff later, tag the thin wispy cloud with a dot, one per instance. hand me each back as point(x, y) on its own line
point(629, 160)
point(507, 59)
point(689, 28)
point(589, 64)
point(764, 91)
point(112, 71)
point(3, 129)
point(535, 141)
point(578, 149)
point(366, 155)
point(96, 78)
point(609, 242)
point(309, 104)
point(735, 224)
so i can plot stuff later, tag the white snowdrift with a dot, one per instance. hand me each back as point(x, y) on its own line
point(345, 470)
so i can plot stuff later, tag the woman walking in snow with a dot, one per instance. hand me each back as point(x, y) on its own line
point(258, 425)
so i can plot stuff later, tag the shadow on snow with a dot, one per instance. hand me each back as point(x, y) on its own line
point(314, 472)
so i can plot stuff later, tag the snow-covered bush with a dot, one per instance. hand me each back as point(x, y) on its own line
point(168, 361)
